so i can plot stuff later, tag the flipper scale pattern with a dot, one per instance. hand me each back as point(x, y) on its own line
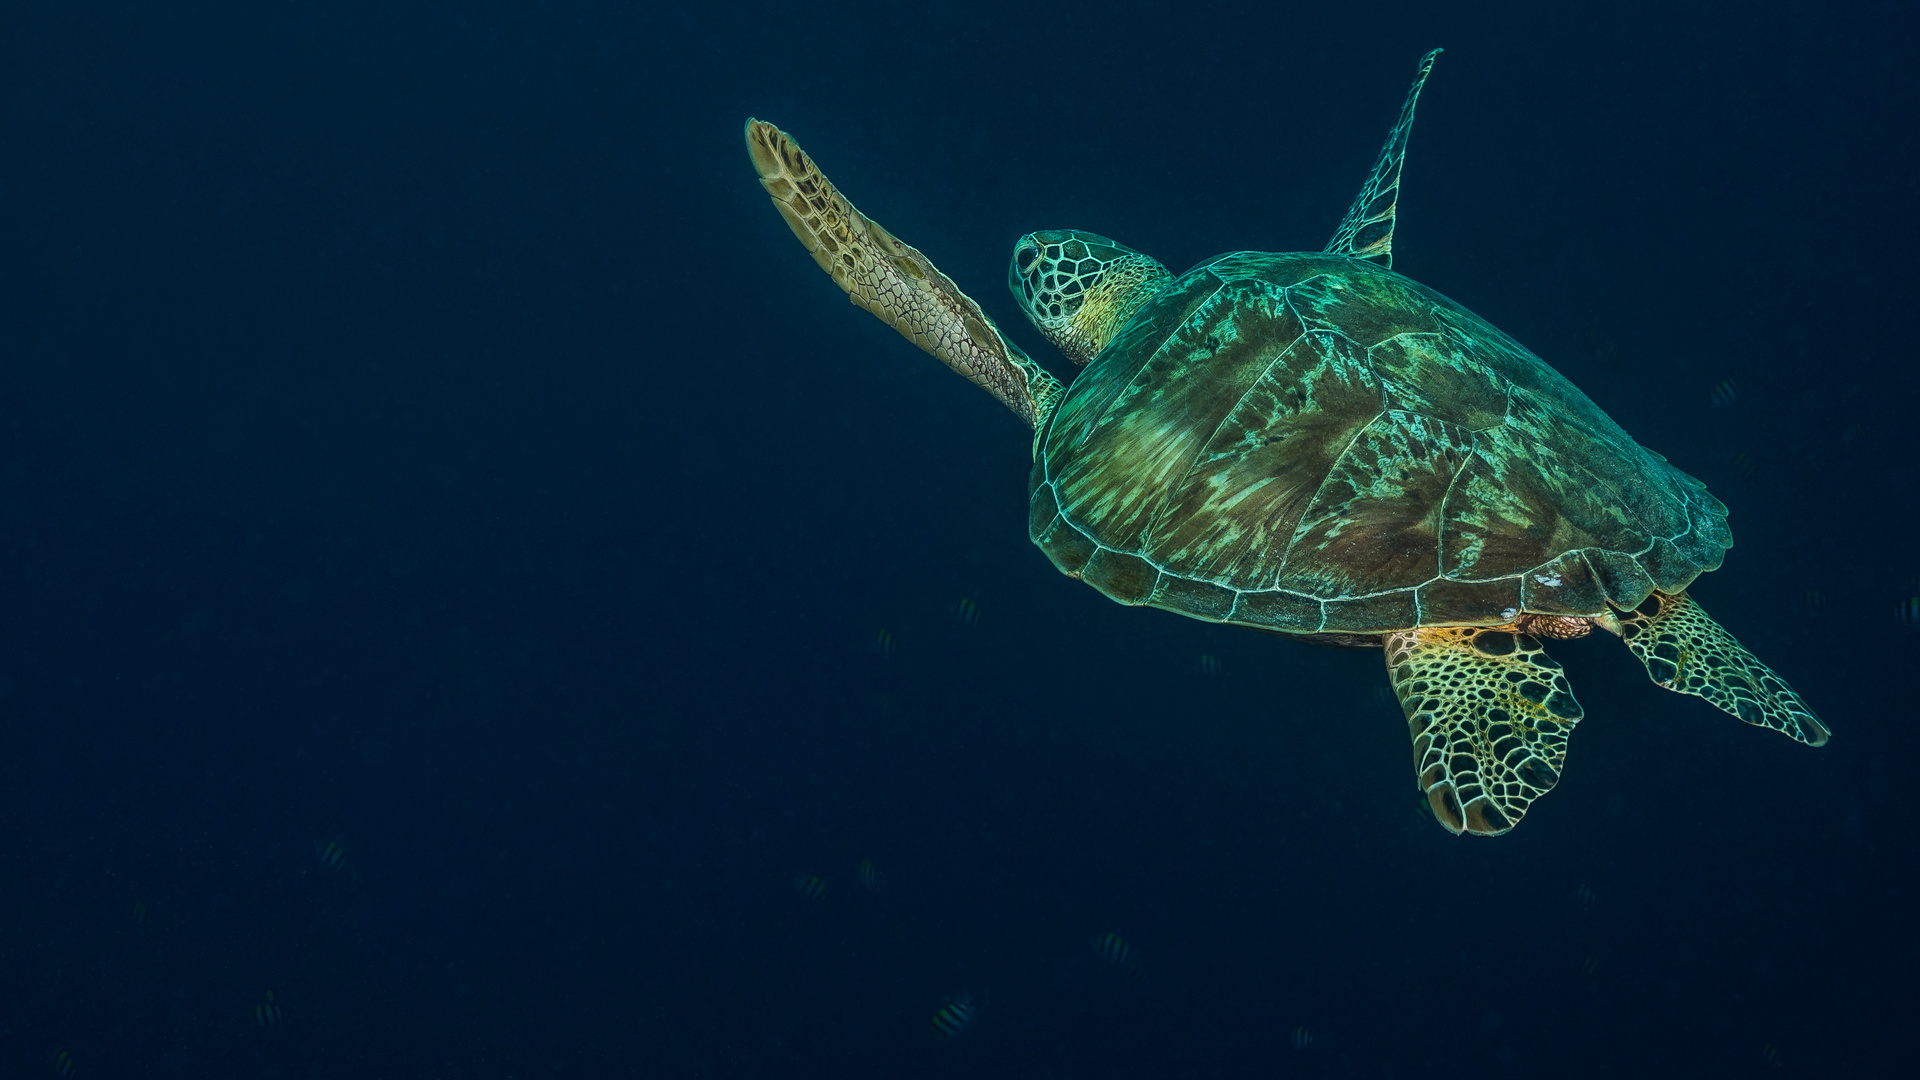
point(1689, 653)
point(1367, 230)
point(1489, 712)
point(893, 280)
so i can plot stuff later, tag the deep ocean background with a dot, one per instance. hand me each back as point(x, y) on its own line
point(419, 434)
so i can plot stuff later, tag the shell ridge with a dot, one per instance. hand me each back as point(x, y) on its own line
point(1200, 447)
point(1522, 435)
point(1300, 528)
point(1440, 530)
point(1620, 499)
point(1087, 430)
point(1306, 334)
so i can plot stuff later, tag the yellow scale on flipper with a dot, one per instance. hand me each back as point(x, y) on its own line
point(1490, 713)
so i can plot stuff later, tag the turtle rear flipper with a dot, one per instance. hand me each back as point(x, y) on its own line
point(1490, 712)
point(1689, 653)
point(893, 280)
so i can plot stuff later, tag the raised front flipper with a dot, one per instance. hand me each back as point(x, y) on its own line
point(893, 280)
point(1689, 653)
point(1490, 713)
point(1367, 230)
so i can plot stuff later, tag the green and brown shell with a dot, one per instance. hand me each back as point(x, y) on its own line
point(1311, 443)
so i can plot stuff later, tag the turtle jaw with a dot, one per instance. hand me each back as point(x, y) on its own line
point(1079, 288)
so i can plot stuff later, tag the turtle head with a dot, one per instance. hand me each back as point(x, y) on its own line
point(1080, 289)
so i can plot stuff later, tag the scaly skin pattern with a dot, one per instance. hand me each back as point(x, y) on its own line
point(1367, 230)
point(893, 280)
point(1079, 288)
point(1312, 443)
point(1490, 713)
point(1689, 653)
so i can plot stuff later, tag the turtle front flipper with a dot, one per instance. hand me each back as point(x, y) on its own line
point(1490, 712)
point(1367, 230)
point(1689, 653)
point(895, 281)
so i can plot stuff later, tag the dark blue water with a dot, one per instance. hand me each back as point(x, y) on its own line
point(419, 435)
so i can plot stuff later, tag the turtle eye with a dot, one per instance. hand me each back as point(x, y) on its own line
point(1025, 258)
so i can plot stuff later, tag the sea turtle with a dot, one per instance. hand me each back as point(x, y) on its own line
point(1311, 444)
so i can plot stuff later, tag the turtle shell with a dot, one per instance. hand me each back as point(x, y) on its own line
point(1311, 444)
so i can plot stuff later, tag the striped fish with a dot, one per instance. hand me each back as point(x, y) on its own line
point(1113, 950)
point(954, 1017)
point(333, 856)
point(811, 886)
point(966, 612)
point(1909, 612)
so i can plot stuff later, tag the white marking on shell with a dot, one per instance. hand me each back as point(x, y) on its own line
point(1508, 613)
point(1548, 579)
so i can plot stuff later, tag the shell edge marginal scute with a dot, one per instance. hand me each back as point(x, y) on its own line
point(1238, 614)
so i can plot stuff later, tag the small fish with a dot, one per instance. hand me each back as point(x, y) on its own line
point(954, 1017)
point(1742, 464)
point(1725, 393)
point(966, 612)
point(62, 1064)
point(1384, 697)
point(871, 877)
point(881, 643)
point(333, 856)
point(811, 887)
point(139, 913)
point(1814, 600)
point(1606, 354)
point(268, 1014)
point(1209, 664)
point(1770, 1056)
point(1114, 950)
point(1302, 1038)
point(1586, 964)
point(1909, 612)
point(1584, 897)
